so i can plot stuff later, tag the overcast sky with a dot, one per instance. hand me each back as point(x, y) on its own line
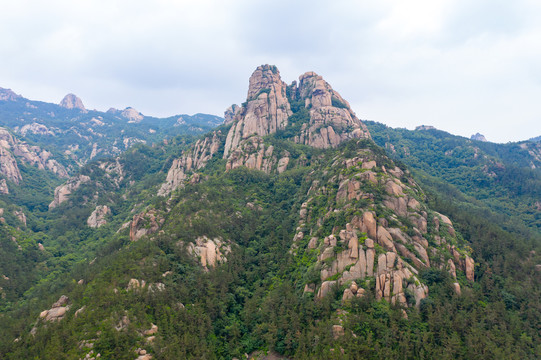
point(462, 66)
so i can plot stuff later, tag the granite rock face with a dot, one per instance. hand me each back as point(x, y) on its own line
point(331, 119)
point(71, 101)
point(62, 192)
point(98, 216)
point(12, 149)
point(266, 109)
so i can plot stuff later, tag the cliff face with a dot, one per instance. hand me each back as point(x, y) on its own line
point(71, 101)
point(331, 119)
point(12, 149)
point(266, 109)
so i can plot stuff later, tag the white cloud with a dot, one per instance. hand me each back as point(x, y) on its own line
point(462, 66)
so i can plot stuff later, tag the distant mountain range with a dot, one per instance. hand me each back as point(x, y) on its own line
point(76, 135)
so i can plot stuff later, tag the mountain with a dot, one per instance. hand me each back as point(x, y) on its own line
point(286, 232)
point(77, 135)
point(504, 177)
point(478, 137)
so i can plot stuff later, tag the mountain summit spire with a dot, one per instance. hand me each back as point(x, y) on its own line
point(71, 101)
point(311, 113)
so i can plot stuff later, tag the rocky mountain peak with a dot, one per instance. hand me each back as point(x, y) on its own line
point(8, 95)
point(479, 137)
point(71, 101)
point(323, 118)
point(132, 115)
point(332, 120)
point(265, 111)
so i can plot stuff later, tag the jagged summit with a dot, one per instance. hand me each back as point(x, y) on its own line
point(425, 127)
point(71, 101)
point(312, 112)
point(479, 137)
point(8, 95)
point(129, 113)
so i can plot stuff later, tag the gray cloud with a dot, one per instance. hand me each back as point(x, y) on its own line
point(461, 66)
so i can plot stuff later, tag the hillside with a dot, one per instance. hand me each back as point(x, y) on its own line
point(504, 177)
point(286, 231)
point(76, 135)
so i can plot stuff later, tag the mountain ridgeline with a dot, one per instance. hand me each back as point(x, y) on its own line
point(286, 232)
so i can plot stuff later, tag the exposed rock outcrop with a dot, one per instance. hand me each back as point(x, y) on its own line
point(71, 101)
point(36, 129)
point(62, 192)
point(210, 251)
point(478, 137)
point(265, 111)
point(190, 161)
point(11, 149)
point(4, 187)
point(392, 246)
point(57, 311)
point(132, 115)
point(230, 113)
point(8, 95)
point(145, 223)
point(331, 119)
point(98, 216)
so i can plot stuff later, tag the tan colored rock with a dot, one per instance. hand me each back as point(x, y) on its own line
point(385, 239)
point(8, 166)
point(282, 164)
point(325, 288)
point(62, 301)
point(369, 165)
point(313, 243)
point(98, 216)
point(71, 101)
point(369, 223)
point(230, 113)
point(370, 255)
point(392, 188)
point(382, 264)
point(132, 115)
point(62, 192)
point(331, 119)
point(348, 295)
point(456, 287)
point(337, 331)
point(266, 109)
point(190, 161)
point(56, 314)
point(153, 330)
point(452, 268)
point(19, 214)
point(211, 252)
point(144, 223)
point(469, 268)
point(326, 254)
point(4, 187)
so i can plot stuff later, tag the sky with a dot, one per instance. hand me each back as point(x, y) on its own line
point(461, 66)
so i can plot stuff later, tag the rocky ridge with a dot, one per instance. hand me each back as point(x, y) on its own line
point(389, 237)
point(324, 120)
point(12, 149)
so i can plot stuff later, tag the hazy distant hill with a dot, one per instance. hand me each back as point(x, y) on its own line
point(78, 134)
